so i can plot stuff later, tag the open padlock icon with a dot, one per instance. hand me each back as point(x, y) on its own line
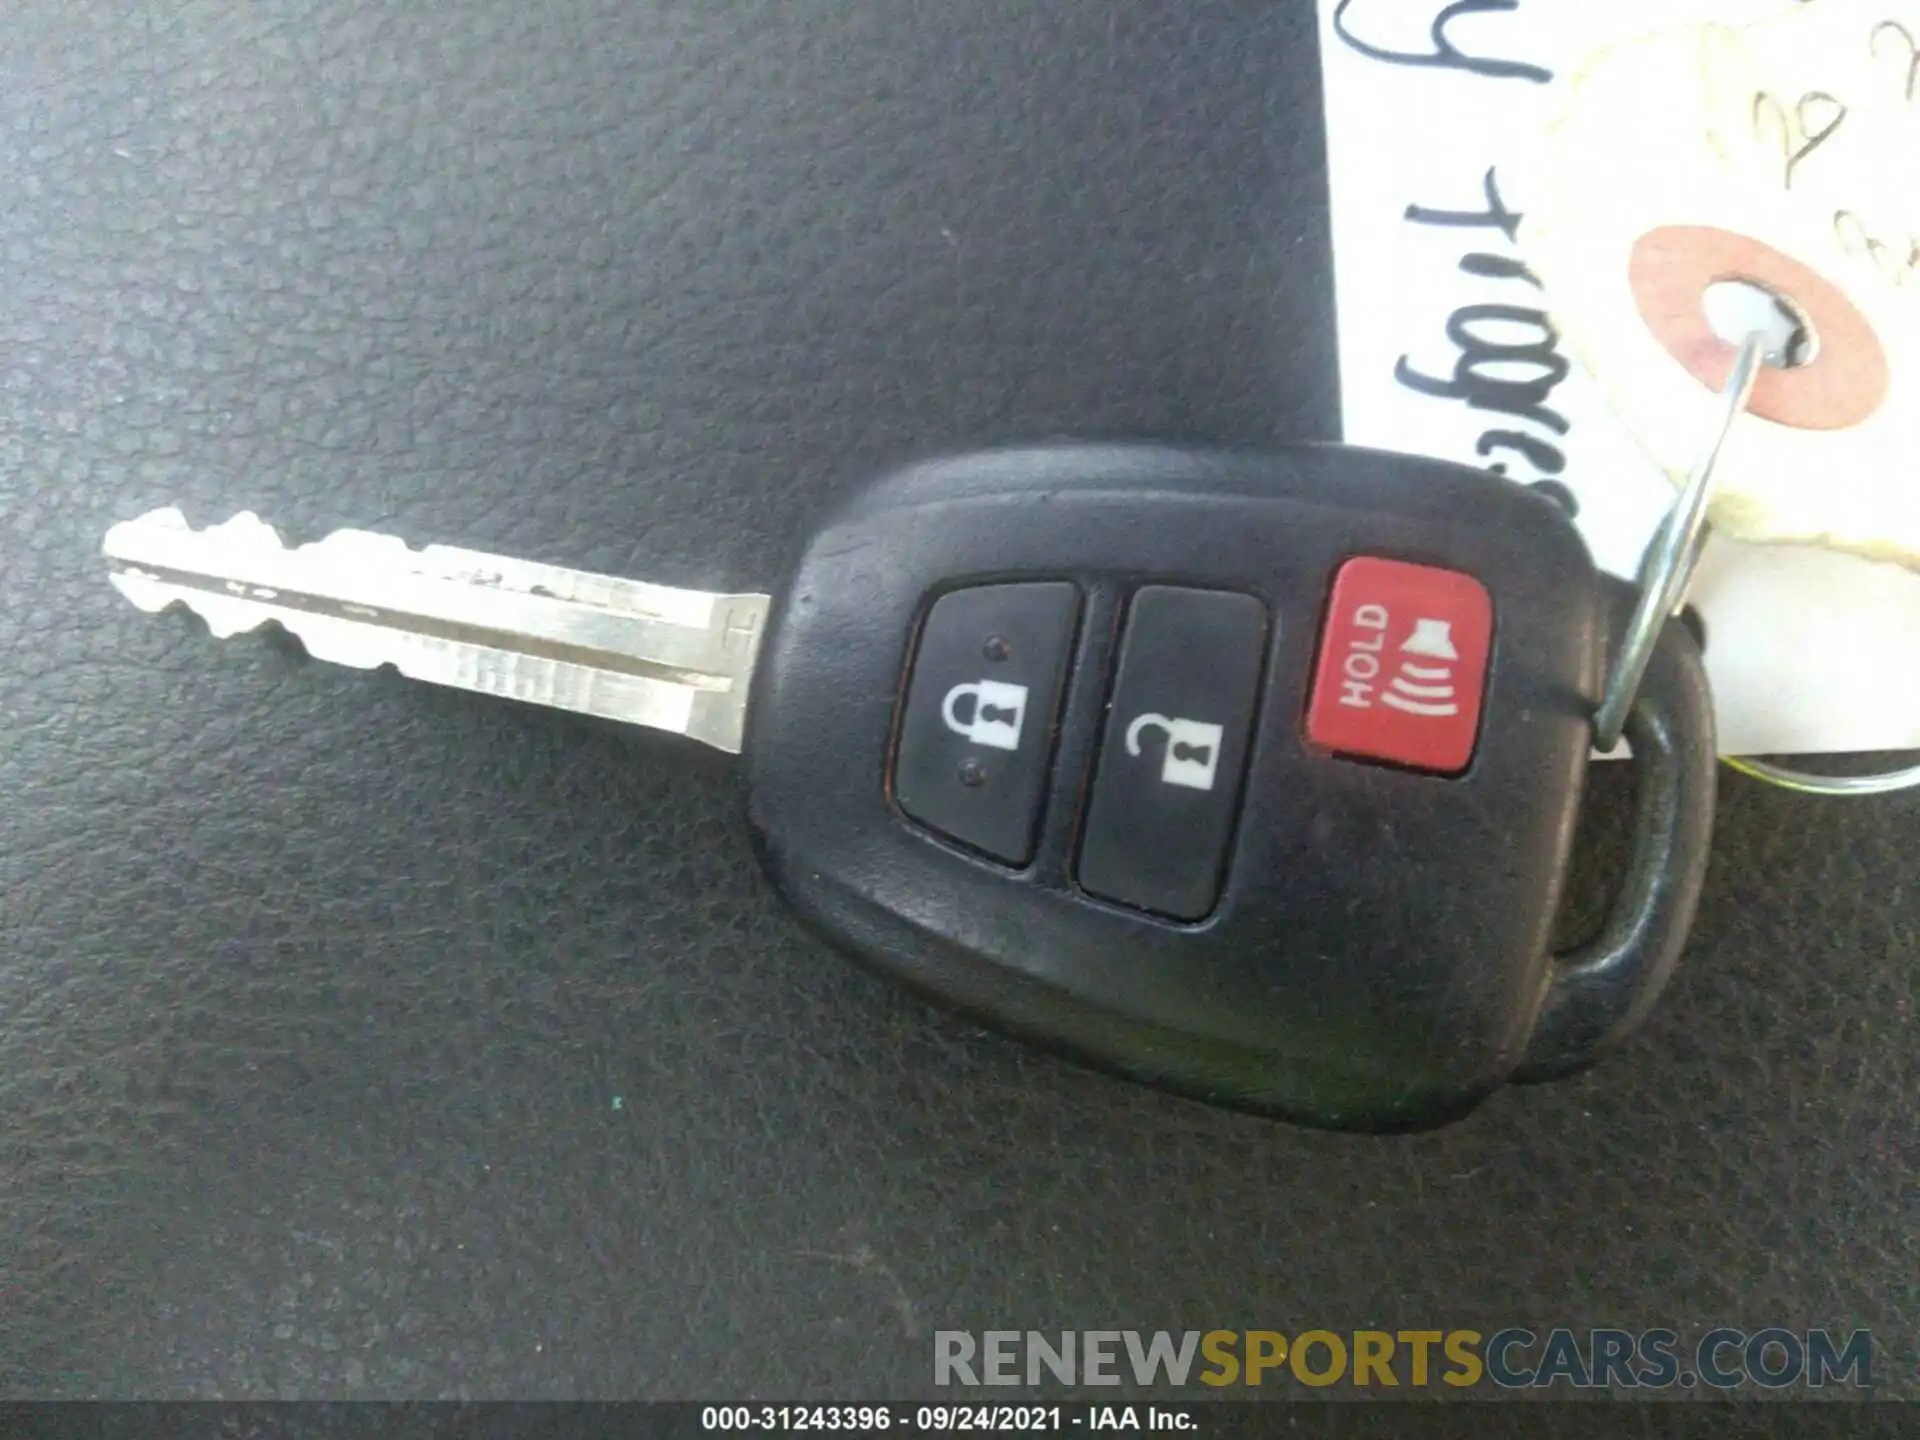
point(1192, 757)
point(999, 710)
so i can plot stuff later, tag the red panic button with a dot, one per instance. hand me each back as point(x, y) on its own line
point(1403, 665)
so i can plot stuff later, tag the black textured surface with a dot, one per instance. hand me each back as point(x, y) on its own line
point(358, 1038)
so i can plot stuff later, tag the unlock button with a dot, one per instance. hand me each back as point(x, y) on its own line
point(1168, 783)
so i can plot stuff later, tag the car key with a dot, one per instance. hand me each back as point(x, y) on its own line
point(1252, 776)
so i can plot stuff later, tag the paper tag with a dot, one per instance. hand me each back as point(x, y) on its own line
point(1777, 152)
point(1438, 112)
point(1820, 111)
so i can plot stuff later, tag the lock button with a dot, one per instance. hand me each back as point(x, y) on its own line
point(1167, 787)
point(977, 728)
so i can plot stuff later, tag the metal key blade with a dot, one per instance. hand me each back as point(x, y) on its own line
point(678, 660)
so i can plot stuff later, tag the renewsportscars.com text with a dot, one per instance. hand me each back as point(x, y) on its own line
point(1513, 1358)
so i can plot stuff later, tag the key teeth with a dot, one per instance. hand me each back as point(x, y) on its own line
point(145, 592)
point(327, 639)
point(250, 530)
point(367, 545)
point(224, 617)
point(228, 616)
point(130, 543)
point(125, 535)
point(123, 541)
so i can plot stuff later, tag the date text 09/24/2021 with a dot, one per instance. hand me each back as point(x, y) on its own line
point(949, 1419)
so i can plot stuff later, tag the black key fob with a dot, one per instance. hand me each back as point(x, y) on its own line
point(1252, 776)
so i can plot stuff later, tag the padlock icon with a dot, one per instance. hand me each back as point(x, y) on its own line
point(999, 710)
point(1192, 757)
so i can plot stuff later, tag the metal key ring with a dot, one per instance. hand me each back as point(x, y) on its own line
point(1667, 573)
point(1805, 782)
point(1674, 554)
